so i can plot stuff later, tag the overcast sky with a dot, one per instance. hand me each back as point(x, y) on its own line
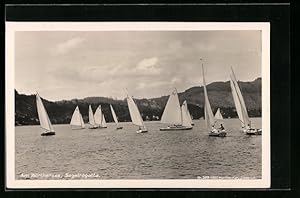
point(66, 65)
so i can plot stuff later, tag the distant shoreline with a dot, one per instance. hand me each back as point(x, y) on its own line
point(152, 121)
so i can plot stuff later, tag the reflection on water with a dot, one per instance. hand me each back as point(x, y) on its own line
point(124, 154)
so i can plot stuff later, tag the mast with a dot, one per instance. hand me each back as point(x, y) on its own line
point(209, 117)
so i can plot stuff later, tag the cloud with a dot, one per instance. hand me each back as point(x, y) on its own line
point(147, 63)
point(148, 66)
point(68, 45)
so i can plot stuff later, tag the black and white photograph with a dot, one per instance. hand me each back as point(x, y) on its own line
point(137, 105)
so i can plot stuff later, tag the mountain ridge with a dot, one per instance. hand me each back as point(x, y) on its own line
point(219, 94)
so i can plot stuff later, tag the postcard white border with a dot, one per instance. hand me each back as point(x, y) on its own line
point(12, 27)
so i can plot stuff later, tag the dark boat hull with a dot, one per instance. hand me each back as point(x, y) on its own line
point(218, 134)
point(48, 133)
point(119, 128)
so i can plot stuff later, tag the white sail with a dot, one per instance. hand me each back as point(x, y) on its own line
point(186, 119)
point(239, 101)
point(172, 112)
point(42, 114)
point(98, 116)
point(208, 114)
point(218, 115)
point(103, 123)
point(134, 112)
point(76, 119)
point(91, 117)
point(114, 115)
point(189, 116)
point(82, 122)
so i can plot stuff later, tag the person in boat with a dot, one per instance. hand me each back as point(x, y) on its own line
point(249, 127)
point(213, 129)
point(221, 128)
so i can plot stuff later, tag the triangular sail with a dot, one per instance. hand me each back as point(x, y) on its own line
point(189, 115)
point(186, 120)
point(91, 117)
point(114, 115)
point(209, 116)
point(218, 115)
point(239, 101)
point(76, 119)
point(172, 112)
point(98, 116)
point(42, 114)
point(134, 112)
point(103, 123)
point(82, 122)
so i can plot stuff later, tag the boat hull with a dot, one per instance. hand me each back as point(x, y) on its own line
point(175, 128)
point(142, 131)
point(77, 128)
point(253, 132)
point(48, 133)
point(119, 128)
point(218, 134)
point(93, 127)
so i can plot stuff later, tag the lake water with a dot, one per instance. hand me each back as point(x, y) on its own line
point(124, 154)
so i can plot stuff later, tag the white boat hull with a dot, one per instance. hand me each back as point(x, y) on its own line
point(175, 128)
point(93, 127)
point(253, 131)
point(142, 131)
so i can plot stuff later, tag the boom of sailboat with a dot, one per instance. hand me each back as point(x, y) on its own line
point(177, 118)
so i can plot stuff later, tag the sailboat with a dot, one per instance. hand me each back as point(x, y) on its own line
point(241, 107)
point(99, 118)
point(174, 116)
point(92, 119)
point(188, 113)
point(218, 115)
point(186, 116)
point(135, 115)
point(209, 116)
point(103, 122)
point(115, 117)
point(43, 118)
point(76, 120)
